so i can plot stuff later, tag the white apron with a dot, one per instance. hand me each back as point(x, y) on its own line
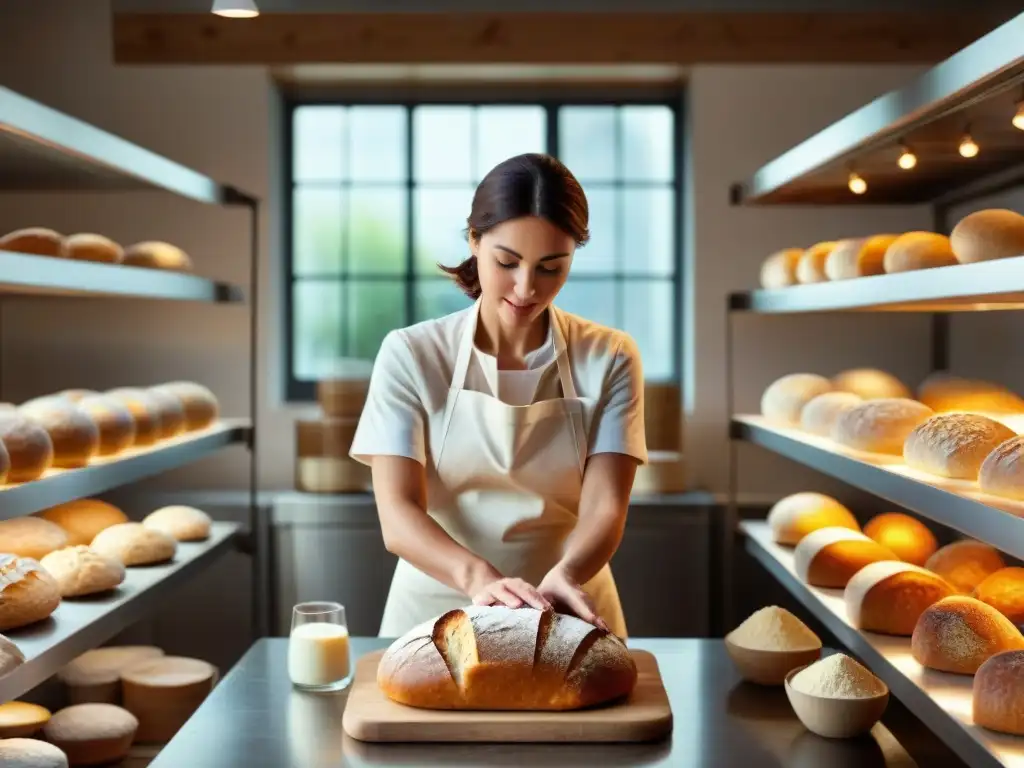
point(506, 485)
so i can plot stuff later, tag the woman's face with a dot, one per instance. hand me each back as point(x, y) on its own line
point(522, 264)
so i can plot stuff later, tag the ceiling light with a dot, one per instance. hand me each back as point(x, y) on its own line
point(236, 9)
point(968, 147)
point(857, 185)
point(907, 158)
point(1018, 119)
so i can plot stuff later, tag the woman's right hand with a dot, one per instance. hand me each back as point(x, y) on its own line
point(510, 592)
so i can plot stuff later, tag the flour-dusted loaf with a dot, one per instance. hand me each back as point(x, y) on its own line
point(919, 250)
point(28, 593)
point(1002, 471)
point(30, 537)
point(779, 269)
point(144, 411)
point(994, 233)
point(794, 516)
point(28, 446)
point(95, 676)
point(81, 571)
point(38, 241)
point(114, 421)
point(88, 246)
point(1004, 591)
point(958, 633)
point(811, 266)
point(858, 257)
point(11, 656)
point(21, 719)
point(966, 563)
point(31, 753)
point(889, 596)
point(156, 254)
point(133, 543)
point(820, 413)
point(829, 557)
point(870, 384)
point(170, 416)
point(200, 404)
point(997, 695)
point(880, 426)
point(906, 537)
point(180, 522)
point(945, 393)
point(784, 399)
point(501, 658)
point(75, 436)
point(82, 519)
point(954, 444)
point(92, 734)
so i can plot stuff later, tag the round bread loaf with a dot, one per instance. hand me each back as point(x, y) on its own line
point(81, 571)
point(858, 257)
point(28, 446)
point(11, 656)
point(889, 597)
point(919, 250)
point(201, 406)
point(156, 254)
point(965, 563)
point(796, 515)
point(115, 422)
point(87, 246)
point(944, 393)
point(31, 537)
point(143, 410)
point(1004, 591)
point(997, 695)
point(779, 269)
point(784, 399)
point(829, 557)
point(811, 266)
point(954, 444)
point(38, 241)
point(163, 693)
point(995, 233)
point(76, 395)
point(95, 676)
point(958, 633)
point(1001, 472)
point(20, 719)
point(870, 384)
point(819, 415)
point(134, 544)
point(82, 519)
point(75, 436)
point(880, 426)
point(180, 522)
point(170, 414)
point(905, 536)
point(92, 734)
point(28, 593)
point(31, 753)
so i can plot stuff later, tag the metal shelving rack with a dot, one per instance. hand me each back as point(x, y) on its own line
point(44, 150)
point(979, 87)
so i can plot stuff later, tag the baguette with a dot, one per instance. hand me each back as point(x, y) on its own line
point(498, 658)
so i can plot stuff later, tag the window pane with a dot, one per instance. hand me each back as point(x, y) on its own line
point(503, 132)
point(586, 142)
point(377, 231)
point(650, 320)
point(592, 299)
point(317, 328)
point(436, 298)
point(318, 227)
point(439, 237)
point(373, 308)
point(442, 142)
point(647, 143)
point(599, 255)
point(318, 141)
point(377, 143)
point(648, 229)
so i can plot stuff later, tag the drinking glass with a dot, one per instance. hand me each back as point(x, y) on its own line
point(318, 648)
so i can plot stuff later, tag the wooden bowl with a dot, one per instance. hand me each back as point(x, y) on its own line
point(769, 667)
point(836, 718)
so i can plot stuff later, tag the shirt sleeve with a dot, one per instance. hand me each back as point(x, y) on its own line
point(618, 425)
point(392, 420)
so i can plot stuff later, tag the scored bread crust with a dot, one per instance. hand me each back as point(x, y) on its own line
point(954, 444)
point(493, 657)
point(28, 593)
point(959, 633)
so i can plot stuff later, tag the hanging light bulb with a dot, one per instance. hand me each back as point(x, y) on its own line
point(968, 147)
point(856, 184)
point(907, 158)
point(1018, 119)
point(236, 9)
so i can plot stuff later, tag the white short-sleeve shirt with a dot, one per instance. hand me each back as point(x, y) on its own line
point(412, 375)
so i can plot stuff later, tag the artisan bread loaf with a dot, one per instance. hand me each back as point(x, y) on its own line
point(92, 734)
point(31, 753)
point(38, 241)
point(858, 257)
point(163, 693)
point(905, 536)
point(114, 421)
point(170, 416)
point(944, 393)
point(75, 436)
point(779, 269)
point(1004, 591)
point(156, 254)
point(784, 399)
point(82, 519)
point(144, 412)
point(95, 676)
point(820, 414)
point(793, 517)
point(870, 384)
point(180, 522)
point(1002, 472)
point(87, 246)
point(811, 266)
point(28, 593)
point(28, 446)
point(500, 658)
point(997, 694)
point(20, 719)
point(134, 544)
point(958, 633)
point(995, 233)
point(81, 571)
point(889, 596)
point(879, 426)
point(11, 656)
point(829, 557)
point(199, 403)
point(965, 563)
point(919, 250)
point(954, 444)
point(30, 537)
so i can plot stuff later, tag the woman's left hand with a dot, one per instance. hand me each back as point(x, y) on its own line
point(565, 593)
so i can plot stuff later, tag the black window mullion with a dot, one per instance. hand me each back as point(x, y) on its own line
point(410, 216)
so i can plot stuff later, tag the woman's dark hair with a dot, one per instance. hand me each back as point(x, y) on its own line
point(525, 185)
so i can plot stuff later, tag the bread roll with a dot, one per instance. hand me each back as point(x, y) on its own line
point(81, 571)
point(958, 633)
point(170, 415)
point(905, 536)
point(114, 421)
point(143, 410)
point(829, 557)
point(95, 676)
point(200, 404)
point(870, 384)
point(995, 233)
point(784, 399)
point(965, 563)
point(134, 544)
point(944, 393)
point(820, 414)
point(11, 656)
point(954, 444)
point(1001, 473)
point(858, 257)
point(1004, 591)
point(811, 266)
point(86, 246)
point(31, 753)
point(499, 658)
point(796, 515)
point(918, 250)
point(28, 447)
point(997, 695)
point(163, 693)
point(75, 436)
point(28, 593)
point(30, 537)
point(20, 719)
point(38, 241)
point(92, 734)
point(82, 519)
point(879, 426)
point(889, 597)
point(180, 522)
point(156, 254)
point(779, 269)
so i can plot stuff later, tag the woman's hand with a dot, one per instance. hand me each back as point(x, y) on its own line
point(513, 593)
point(560, 588)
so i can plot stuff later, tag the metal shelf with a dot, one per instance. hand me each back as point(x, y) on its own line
point(942, 701)
point(957, 504)
point(77, 625)
point(58, 486)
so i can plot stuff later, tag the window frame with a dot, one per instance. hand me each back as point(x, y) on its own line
point(301, 391)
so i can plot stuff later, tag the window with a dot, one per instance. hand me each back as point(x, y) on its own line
point(379, 195)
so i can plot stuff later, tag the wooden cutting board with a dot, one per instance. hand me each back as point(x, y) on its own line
point(644, 716)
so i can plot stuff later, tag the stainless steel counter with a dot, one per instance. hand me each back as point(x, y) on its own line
point(255, 719)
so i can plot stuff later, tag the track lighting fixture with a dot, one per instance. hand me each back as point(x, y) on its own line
point(236, 9)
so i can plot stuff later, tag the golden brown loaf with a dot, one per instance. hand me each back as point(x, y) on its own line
point(114, 421)
point(793, 517)
point(20, 719)
point(87, 246)
point(879, 426)
point(958, 633)
point(30, 537)
point(889, 596)
point(995, 233)
point(28, 446)
point(134, 544)
point(945, 393)
point(81, 571)
point(75, 436)
point(784, 399)
point(811, 266)
point(200, 404)
point(82, 519)
point(819, 415)
point(954, 444)
point(919, 250)
point(997, 696)
point(38, 241)
point(858, 257)
point(779, 269)
point(870, 384)
point(965, 563)
point(1004, 591)
point(156, 254)
point(501, 658)
point(830, 557)
point(28, 593)
point(905, 536)
point(1002, 473)
point(92, 734)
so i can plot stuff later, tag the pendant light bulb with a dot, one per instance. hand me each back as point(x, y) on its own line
point(907, 158)
point(968, 147)
point(857, 185)
point(236, 9)
point(1018, 119)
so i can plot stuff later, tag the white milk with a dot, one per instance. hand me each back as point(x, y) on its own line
point(318, 654)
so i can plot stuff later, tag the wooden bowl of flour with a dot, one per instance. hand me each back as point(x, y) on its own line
point(769, 667)
point(838, 714)
point(769, 644)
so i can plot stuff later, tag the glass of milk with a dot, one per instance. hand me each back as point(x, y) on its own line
point(318, 654)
